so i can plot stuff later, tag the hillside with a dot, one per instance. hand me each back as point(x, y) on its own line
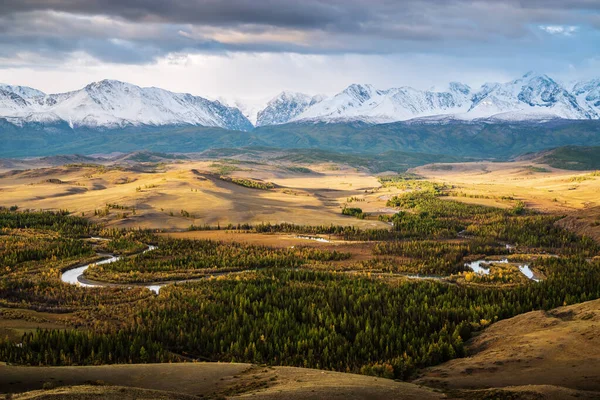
point(500, 140)
point(537, 355)
point(577, 158)
point(559, 347)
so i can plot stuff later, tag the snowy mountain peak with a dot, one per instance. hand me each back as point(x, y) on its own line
point(457, 87)
point(368, 104)
point(11, 101)
point(317, 99)
point(360, 92)
point(587, 94)
point(286, 96)
point(283, 107)
point(529, 97)
point(23, 91)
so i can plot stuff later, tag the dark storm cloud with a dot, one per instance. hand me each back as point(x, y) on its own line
point(138, 31)
point(303, 14)
point(329, 14)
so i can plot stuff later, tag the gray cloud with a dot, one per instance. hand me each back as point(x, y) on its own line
point(139, 31)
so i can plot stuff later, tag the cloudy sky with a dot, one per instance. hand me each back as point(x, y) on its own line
point(253, 49)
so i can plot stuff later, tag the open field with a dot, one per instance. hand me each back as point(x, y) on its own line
point(16, 322)
point(178, 195)
point(174, 194)
point(539, 186)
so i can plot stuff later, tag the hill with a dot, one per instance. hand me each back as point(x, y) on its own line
point(499, 140)
point(558, 348)
point(579, 158)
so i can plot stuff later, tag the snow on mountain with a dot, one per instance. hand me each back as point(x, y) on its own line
point(23, 91)
point(529, 97)
point(250, 107)
point(285, 107)
point(11, 102)
point(365, 103)
point(110, 103)
point(588, 95)
point(532, 97)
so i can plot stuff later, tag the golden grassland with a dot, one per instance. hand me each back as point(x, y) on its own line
point(159, 197)
point(177, 195)
point(16, 322)
point(574, 194)
point(539, 186)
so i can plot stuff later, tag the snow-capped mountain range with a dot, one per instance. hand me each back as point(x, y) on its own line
point(114, 104)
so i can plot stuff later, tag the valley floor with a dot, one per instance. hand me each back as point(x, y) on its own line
point(536, 355)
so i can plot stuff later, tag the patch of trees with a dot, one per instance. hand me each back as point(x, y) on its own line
point(74, 347)
point(249, 183)
point(59, 221)
point(354, 212)
point(436, 257)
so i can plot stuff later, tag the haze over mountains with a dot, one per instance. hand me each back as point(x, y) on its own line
point(113, 104)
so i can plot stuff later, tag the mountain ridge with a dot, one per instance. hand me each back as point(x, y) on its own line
point(111, 104)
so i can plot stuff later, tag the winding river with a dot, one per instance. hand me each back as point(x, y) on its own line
point(478, 268)
point(75, 276)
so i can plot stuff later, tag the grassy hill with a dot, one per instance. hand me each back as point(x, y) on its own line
point(557, 347)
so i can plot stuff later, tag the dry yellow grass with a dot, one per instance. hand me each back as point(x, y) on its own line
point(552, 191)
point(159, 197)
point(575, 194)
point(88, 392)
point(557, 348)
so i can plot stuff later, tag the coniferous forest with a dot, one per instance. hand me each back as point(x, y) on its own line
point(304, 306)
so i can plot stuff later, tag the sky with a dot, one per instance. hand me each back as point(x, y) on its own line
point(254, 49)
